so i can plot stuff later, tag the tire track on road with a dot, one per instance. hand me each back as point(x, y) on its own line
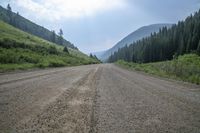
point(31, 77)
point(70, 112)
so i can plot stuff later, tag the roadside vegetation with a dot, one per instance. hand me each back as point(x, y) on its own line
point(185, 67)
point(20, 50)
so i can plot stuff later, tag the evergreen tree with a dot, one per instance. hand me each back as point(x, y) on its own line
point(9, 12)
point(60, 33)
point(188, 45)
point(95, 57)
point(53, 36)
point(182, 46)
point(91, 56)
point(9, 8)
point(198, 48)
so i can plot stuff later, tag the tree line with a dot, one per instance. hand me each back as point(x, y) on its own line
point(180, 39)
point(94, 57)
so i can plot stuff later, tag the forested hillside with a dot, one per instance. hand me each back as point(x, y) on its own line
point(181, 38)
point(140, 33)
point(20, 50)
point(16, 20)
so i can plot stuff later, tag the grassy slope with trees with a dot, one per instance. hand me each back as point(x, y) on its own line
point(20, 50)
point(182, 41)
point(16, 20)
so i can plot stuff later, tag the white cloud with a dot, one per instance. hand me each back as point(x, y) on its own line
point(59, 9)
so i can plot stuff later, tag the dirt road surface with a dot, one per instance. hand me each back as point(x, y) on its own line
point(96, 99)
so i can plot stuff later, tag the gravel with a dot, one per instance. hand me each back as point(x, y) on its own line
point(96, 99)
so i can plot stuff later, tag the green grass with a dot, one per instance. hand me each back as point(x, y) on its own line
point(186, 68)
point(20, 50)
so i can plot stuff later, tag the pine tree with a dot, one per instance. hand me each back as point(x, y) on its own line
point(9, 12)
point(188, 45)
point(53, 36)
point(182, 46)
point(60, 33)
point(91, 56)
point(198, 48)
point(9, 8)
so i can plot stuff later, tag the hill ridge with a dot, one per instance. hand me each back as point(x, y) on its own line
point(136, 35)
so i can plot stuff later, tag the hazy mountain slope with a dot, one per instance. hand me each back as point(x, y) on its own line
point(28, 26)
point(98, 54)
point(134, 36)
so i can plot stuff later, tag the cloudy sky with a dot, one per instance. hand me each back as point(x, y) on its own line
point(96, 25)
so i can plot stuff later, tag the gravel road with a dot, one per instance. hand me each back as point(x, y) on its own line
point(96, 99)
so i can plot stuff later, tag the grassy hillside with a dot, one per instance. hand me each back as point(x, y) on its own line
point(20, 50)
point(186, 68)
point(26, 25)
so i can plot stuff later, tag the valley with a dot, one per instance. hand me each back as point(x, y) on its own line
point(53, 81)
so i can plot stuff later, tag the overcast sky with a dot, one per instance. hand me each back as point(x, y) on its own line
point(96, 25)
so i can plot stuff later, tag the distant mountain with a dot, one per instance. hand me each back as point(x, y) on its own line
point(98, 54)
point(133, 37)
point(26, 25)
point(167, 44)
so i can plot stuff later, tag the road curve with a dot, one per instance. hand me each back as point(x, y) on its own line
point(96, 99)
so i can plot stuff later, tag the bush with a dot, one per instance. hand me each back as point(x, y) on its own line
point(56, 63)
point(52, 50)
point(66, 50)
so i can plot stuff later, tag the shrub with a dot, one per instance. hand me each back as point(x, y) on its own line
point(66, 50)
point(56, 63)
point(52, 50)
point(186, 67)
